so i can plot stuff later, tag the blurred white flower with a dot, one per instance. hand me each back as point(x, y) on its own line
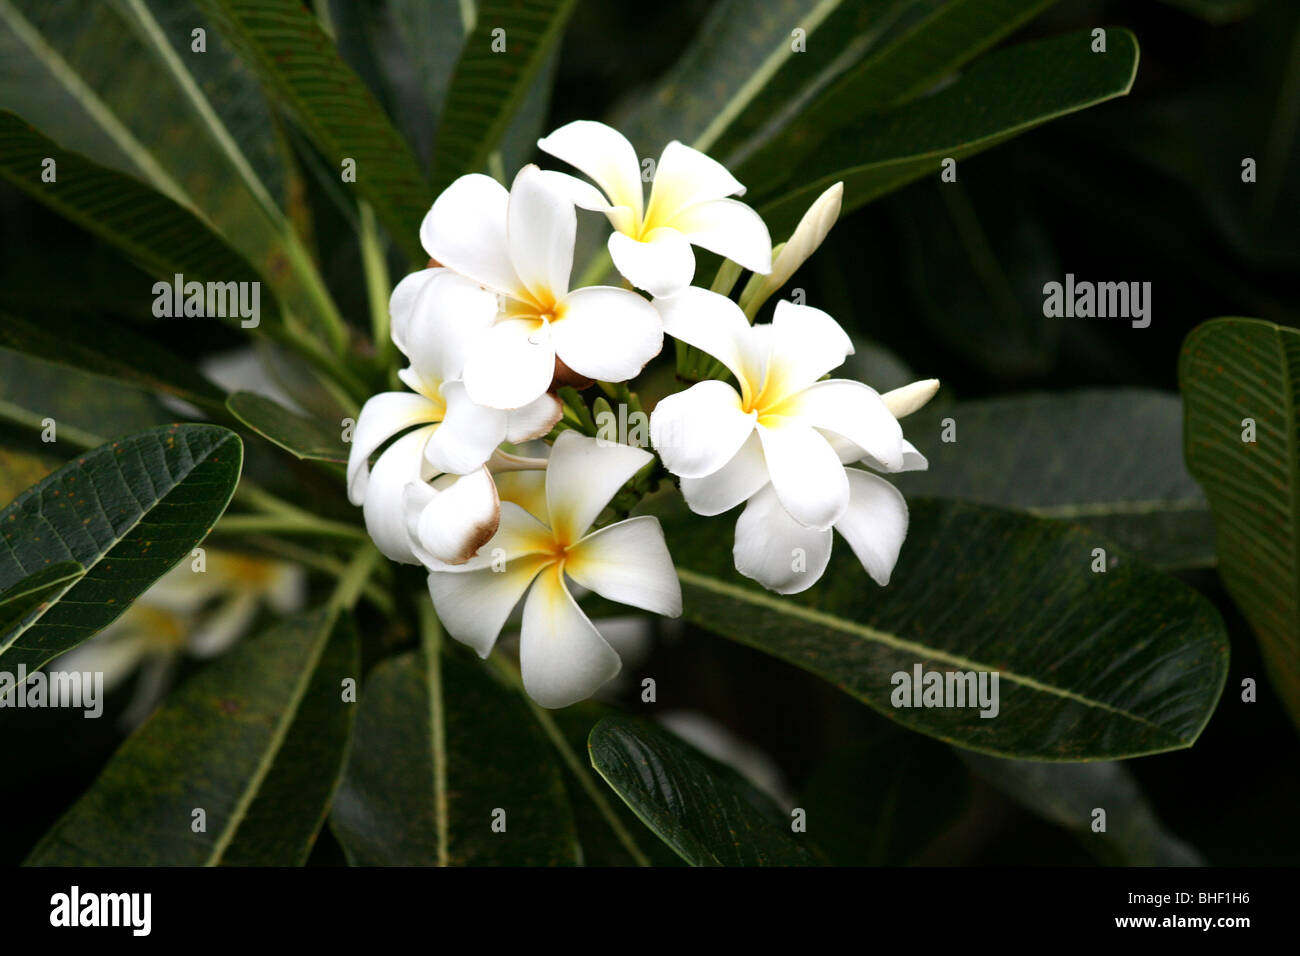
point(688, 205)
point(187, 612)
point(562, 656)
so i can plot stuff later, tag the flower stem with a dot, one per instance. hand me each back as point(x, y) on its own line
point(377, 284)
point(354, 577)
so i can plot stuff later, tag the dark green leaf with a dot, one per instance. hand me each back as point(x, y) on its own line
point(78, 342)
point(1091, 665)
point(1110, 459)
point(437, 753)
point(285, 44)
point(27, 595)
point(84, 73)
point(87, 410)
point(881, 802)
point(1002, 95)
point(1067, 795)
point(255, 740)
point(488, 87)
point(128, 512)
point(708, 813)
point(161, 236)
point(903, 66)
point(304, 437)
point(605, 824)
point(1238, 379)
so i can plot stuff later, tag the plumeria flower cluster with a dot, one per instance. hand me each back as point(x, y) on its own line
point(494, 330)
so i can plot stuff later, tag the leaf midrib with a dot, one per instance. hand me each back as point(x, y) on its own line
point(834, 623)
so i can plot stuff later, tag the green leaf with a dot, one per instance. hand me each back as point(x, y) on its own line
point(87, 409)
point(285, 44)
point(28, 594)
point(76, 341)
point(881, 802)
point(488, 88)
point(86, 74)
point(1067, 795)
point(1001, 96)
point(255, 740)
point(610, 833)
point(128, 512)
point(1110, 459)
point(303, 437)
point(741, 68)
point(1238, 376)
point(160, 235)
point(903, 66)
point(438, 752)
point(708, 813)
point(1121, 663)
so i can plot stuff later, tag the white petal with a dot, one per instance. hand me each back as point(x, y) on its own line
point(806, 473)
point(534, 420)
point(628, 562)
point(913, 460)
point(874, 524)
point(223, 626)
point(907, 399)
point(448, 317)
point(604, 154)
point(586, 196)
point(699, 430)
point(459, 520)
point(511, 365)
point(683, 177)
point(583, 475)
point(775, 550)
point(854, 411)
point(466, 231)
point(662, 263)
point(736, 481)
point(382, 417)
point(607, 333)
point(713, 324)
point(541, 229)
point(468, 434)
point(475, 605)
point(562, 657)
point(806, 344)
point(401, 304)
point(730, 229)
point(385, 503)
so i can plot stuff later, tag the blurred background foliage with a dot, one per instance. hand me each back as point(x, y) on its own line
point(944, 280)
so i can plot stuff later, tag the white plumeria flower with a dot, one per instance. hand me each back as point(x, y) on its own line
point(562, 656)
point(437, 317)
point(688, 205)
point(187, 612)
point(519, 245)
point(781, 443)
